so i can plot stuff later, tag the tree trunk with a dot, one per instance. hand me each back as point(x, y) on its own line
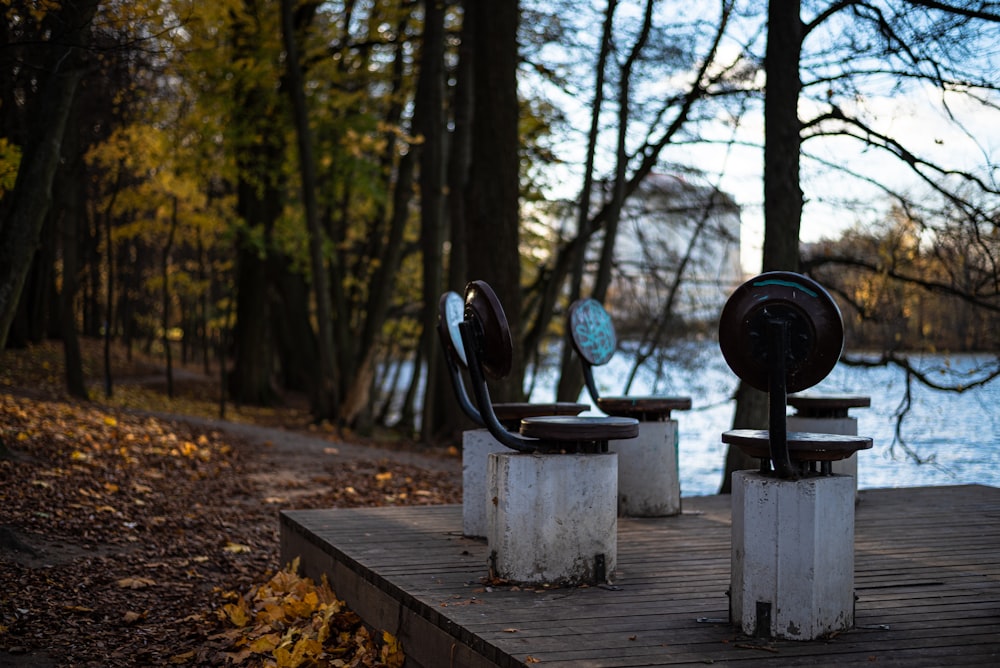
point(782, 137)
point(782, 192)
point(570, 369)
point(429, 123)
point(492, 203)
point(72, 206)
point(32, 194)
point(326, 396)
point(165, 315)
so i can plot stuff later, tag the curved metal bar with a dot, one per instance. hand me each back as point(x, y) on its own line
point(472, 340)
point(455, 372)
point(777, 349)
point(588, 378)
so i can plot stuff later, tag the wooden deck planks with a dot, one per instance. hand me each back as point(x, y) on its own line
point(927, 564)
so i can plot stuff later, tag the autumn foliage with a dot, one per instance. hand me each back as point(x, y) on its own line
point(133, 540)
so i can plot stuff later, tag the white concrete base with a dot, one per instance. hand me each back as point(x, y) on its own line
point(792, 571)
point(477, 444)
point(841, 425)
point(648, 480)
point(553, 518)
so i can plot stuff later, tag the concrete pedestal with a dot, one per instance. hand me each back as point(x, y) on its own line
point(553, 517)
point(477, 444)
point(792, 571)
point(648, 479)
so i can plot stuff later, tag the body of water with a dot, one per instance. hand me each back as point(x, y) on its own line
point(955, 437)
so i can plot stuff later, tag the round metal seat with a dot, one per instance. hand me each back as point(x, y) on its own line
point(451, 311)
point(644, 409)
point(488, 349)
point(593, 337)
point(826, 406)
point(782, 332)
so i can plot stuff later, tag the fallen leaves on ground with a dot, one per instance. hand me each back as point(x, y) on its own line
point(128, 540)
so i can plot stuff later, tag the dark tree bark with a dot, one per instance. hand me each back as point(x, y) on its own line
point(165, 303)
point(460, 155)
point(326, 397)
point(571, 373)
point(71, 205)
point(32, 194)
point(429, 123)
point(492, 204)
point(782, 192)
point(782, 137)
point(257, 135)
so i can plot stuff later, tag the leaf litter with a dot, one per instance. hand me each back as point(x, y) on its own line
point(133, 540)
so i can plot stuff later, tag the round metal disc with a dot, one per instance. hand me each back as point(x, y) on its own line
point(568, 429)
point(802, 446)
point(644, 409)
point(815, 327)
point(481, 304)
point(511, 411)
point(451, 310)
point(591, 331)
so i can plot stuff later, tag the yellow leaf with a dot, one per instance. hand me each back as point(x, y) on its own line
point(382, 477)
point(136, 583)
point(236, 548)
point(237, 612)
point(110, 421)
point(392, 651)
point(265, 644)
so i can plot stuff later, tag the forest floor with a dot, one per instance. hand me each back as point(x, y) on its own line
point(141, 530)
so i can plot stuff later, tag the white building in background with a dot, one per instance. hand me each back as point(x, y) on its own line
point(673, 225)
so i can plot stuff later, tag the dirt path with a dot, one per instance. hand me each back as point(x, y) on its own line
point(119, 504)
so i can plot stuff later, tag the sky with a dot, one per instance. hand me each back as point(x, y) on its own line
point(915, 114)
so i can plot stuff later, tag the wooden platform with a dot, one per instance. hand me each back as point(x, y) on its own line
point(927, 580)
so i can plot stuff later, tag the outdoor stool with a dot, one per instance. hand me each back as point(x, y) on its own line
point(477, 444)
point(552, 516)
point(828, 414)
point(792, 568)
point(648, 475)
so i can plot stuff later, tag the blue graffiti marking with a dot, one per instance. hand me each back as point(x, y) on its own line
point(787, 284)
point(593, 331)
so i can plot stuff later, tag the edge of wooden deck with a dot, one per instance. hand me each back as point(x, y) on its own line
point(927, 579)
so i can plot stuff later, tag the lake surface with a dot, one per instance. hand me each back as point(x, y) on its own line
point(955, 437)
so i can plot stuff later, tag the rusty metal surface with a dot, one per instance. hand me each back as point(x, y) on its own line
point(826, 406)
point(644, 409)
point(498, 348)
point(507, 412)
point(566, 428)
point(802, 446)
point(815, 337)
